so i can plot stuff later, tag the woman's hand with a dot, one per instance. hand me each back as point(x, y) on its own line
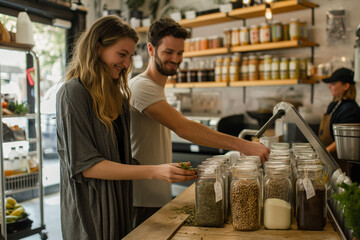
point(171, 173)
point(257, 149)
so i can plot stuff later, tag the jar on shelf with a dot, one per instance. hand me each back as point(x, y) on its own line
point(294, 68)
point(303, 68)
point(277, 197)
point(254, 34)
point(267, 67)
point(294, 29)
point(245, 198)
point(235, 37)
point(275, 68)
point(202, 72)
point(182, 75)
point(310, 198)
point(265, 33)
point(276, 31)
point(303, 30)
point(253, 68)
point(218, 69)
point(192, 75)
point(245, 68)
point(227, 38)
point(209, 197)
point(218, 43)
point(198, 44)
point(235, 68)
point(192, 44)
point(244, 36)
point(284, 68)
point(210, 70)
point(204, 44)
point(286, 35)
point(187, 45)
point(226, 70)
point(261, 68)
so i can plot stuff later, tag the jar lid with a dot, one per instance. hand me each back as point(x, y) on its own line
point(234, 29)
point(264, 24)
point(254, 26)
point(252, 57)
point(244, 28)
point(276, 22)
point(294, 20)
point(275, 59)
point(267, 56)
point(284, 59)
point(294, 58)
point(310, 168)
point(226, 29)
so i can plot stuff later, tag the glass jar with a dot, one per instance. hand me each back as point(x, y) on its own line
point(294, 68)
point(245, 68)
point(284, 68)
point(218, 69)
point(275, 68)
point(204, 44)
point(277, 197)
point(227, 38)
point(310, 198)
point(303, 30)
point(264, 33)
point(244, 36)
point(254, 34)
point(294, 29)
point(226, 70)
point(286, 36)
point(235, 68)
point(209, 203)
point(276, 31)
point(245, 198)
point(202, 73)
point(253, 68)
point(303, 68)
point(198, 44)
point(217, 42)
point(192, 44)
point(280, 146)
point(235, 37)
point(261, 68)
point(187, 45)
point(267, 67)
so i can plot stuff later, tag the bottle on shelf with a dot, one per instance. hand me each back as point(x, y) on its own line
point(24, 159)
point(14, 158)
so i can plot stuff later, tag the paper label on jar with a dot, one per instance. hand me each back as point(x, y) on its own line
point(232, 69)
point(309, 188)
point(244, 69)
point(218, 191)
point(267, 67)
point(252, 68)
point(217, 70)
point(244, 37)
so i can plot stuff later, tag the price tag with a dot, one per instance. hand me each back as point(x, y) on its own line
point(190, 14)
point(175, 16)
point(309, 188)
point(194, 148)
point(218, 191)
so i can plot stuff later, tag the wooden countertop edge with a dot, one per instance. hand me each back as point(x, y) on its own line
point(166, 222)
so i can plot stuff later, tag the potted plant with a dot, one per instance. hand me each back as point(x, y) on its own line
point(349, 201)
point(134, 6)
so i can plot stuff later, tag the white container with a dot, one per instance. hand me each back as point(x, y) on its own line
point(24, 29)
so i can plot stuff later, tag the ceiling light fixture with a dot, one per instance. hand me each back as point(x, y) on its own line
point(268, 12)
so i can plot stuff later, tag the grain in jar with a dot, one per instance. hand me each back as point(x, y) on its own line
point(235, 37)
point(284, 68)
point(227, 38)
point(235, 68)
point(226, 70)
point(254, 34)
point(261, 68)
point(276, 31)
point(286, 36)
point(204, 43)
point(218, 42)
point(303, 30)
point(265, 33)
point(275, 68)
point(192, 45)
point(267, 67)
point(253, 68)
point(187, 45)
point(294, 68)
point(244, 36)
point(294, 29)
point(245, 68)
point(197, 44)
point(303, 68)
point(218, 69)
point(202, 73)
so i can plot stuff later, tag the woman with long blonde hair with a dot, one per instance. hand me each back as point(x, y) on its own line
point(93, 136)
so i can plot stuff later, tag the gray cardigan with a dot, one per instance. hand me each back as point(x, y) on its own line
point(90, 208)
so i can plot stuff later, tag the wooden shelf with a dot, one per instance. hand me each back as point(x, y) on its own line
point(207, 52)
point(273, 45)
point(201, 85)
point(256, 83)
point(28, 116)
point(207, 19)
point(16, 46)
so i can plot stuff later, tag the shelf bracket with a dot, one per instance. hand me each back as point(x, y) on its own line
point(243, 19)
point(312, 12)
point(312, 54)
point(244, 95)
point(312, 94)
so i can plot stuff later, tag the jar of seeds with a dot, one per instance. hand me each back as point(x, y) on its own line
point(209, 197)
point(245, 197)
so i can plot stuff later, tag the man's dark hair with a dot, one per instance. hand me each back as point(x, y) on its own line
point(165, 27)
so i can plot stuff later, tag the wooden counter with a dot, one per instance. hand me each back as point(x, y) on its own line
point(167, 224)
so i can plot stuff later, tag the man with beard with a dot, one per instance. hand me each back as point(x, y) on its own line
point(152, 118)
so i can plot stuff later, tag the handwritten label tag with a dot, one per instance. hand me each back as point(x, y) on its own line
point(309, 188)
point(218, 191)
point(176, 16)
point(190, 14)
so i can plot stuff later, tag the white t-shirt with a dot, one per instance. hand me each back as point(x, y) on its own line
point(150, 141)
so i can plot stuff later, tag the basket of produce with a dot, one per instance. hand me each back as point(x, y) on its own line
point(16, 216)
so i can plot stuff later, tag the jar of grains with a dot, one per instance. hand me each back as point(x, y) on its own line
point(235, 37)
point(294, 68)
point(254, 34)
point(284, 68)
point(227, 38)
point(277, 197)
point(275, 68)
point(303, 68)
point(276, 31)
point(303, 30)
point(209, 196)
point(261, 68)
point(294, 29)
point(267, 67)
point(265, 33)
point(253, 68)
point(245, 197)
point(310, 198)
point(235, 68)
point(218, 69)
point(245, 68)
point(244, 36)
point(226, 70)
point(286, 36)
